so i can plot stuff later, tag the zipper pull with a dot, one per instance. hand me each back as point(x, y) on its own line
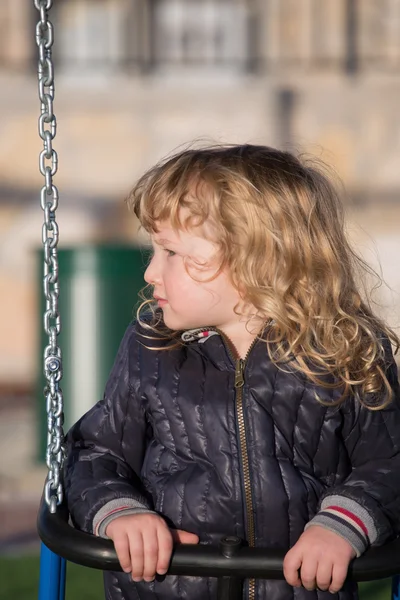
point(239, 378)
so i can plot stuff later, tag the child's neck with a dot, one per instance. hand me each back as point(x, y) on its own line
point(241, 337)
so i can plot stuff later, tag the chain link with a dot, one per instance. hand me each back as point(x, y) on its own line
point(48, 165)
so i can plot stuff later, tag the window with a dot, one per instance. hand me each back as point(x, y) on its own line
point(291, 16)
point(200, 32)
point(379, 33)
point(94, 34)
point(4, 30)
point(347, 34)
point(105, 35)
point(308, 33)
point(328, 31)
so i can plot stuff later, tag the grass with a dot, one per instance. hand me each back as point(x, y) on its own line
point(19, 580)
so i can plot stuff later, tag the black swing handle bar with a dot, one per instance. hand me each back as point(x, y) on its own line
point(230, 559)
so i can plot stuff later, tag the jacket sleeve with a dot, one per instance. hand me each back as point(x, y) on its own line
point(105, 448)
point(365, 508)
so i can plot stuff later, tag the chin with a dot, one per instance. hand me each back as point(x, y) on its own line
point(173, 323)
point(176, 324)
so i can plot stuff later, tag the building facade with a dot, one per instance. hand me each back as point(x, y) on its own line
point(136, 79)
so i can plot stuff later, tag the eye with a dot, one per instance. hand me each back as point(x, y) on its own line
point(169, 252)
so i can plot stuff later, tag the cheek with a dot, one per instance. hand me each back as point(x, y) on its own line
point(176, 280)
point(180, 287)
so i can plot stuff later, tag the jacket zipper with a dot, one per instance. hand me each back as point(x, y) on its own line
point(240, 365)
point(239, 383)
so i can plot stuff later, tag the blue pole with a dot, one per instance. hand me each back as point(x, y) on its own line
point(52, 575)
point(396, 588)
point(63, 571)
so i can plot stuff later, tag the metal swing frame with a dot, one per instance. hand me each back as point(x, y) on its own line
point(231, 562)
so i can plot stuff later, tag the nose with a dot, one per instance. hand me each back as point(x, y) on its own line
point(151, 275)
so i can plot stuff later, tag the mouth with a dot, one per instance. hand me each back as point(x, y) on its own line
point(160, 301)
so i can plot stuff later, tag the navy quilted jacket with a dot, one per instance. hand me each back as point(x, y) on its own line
point(222, 447)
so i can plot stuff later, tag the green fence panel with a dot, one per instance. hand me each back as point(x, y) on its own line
point(99, 288)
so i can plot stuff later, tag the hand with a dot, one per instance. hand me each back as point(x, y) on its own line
point(144, 543)
point(322, 557)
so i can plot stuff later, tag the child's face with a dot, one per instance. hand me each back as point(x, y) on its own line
point(190, 301)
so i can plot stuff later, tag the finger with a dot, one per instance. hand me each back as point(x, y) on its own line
point(291, 566)
point(150, 547)
point(324, 574)
point(121, 545)
point(184, 537)
point(137, 558)
point(165, 546)
point(308, 573)
point(339, 574)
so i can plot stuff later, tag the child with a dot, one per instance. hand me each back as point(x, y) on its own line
point(258, 397)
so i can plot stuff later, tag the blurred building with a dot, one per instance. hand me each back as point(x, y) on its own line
point(137, 78)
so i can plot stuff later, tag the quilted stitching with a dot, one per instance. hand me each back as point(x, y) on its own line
point(297, 449)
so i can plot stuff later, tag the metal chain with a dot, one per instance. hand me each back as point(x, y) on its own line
point(48, 164)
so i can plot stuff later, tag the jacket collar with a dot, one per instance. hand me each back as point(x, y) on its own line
point(200, 334)
point(220, 348)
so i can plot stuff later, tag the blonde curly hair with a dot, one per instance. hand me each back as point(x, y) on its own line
point(279, 224)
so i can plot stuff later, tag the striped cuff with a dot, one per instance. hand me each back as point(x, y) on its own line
point(113, 509)
point(348, 519)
